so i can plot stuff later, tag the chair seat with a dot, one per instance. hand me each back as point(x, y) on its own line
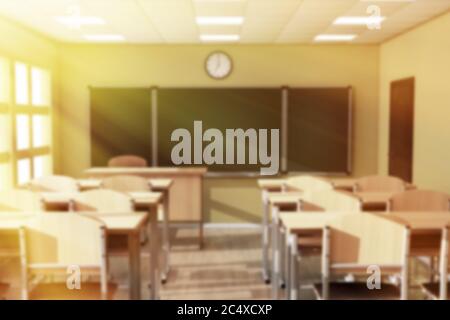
point(358, 291)
point(59, 291)
point(432, 288)
point(4, 287)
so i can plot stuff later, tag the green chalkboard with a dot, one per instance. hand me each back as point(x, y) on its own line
point(120, 123)
point(220, 108)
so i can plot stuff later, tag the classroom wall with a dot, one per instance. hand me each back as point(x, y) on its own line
point(422, 53)
point(18, 43)
point(236, 200)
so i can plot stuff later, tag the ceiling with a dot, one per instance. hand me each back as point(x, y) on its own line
point(265, 21)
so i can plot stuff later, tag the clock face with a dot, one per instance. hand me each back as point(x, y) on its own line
point(218, 65)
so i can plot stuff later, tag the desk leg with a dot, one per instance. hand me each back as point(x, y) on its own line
point(154, 254)
point(135, 265)
point(265, 238)
point(166, 238)
point(293, 286)
point(275, 254)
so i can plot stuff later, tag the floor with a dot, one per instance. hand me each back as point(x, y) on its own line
point(228, 267)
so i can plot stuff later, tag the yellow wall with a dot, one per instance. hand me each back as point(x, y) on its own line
point(183, 65)
point(423, 53)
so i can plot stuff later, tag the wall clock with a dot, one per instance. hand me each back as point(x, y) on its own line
point(218, 65)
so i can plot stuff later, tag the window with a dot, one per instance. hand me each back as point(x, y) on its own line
point(21, 74)
point(5, 128)
point(40, 87)
point(32, 121)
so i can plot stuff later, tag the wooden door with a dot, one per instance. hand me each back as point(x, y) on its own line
point(401, 128)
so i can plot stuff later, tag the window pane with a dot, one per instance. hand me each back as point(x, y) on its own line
point(40, 87)
point(4, 80)
point(22, 132)
point(23, 171)
point(41, 131)
point(21, 83)
point(5, 141)
point(42, 166)
point(5, 176)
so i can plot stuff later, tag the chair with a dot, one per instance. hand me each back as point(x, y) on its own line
point(327, 200)
point(419, 200)
point(60, 244)
point(54, 183)
point(355, 242)
point(379, 184)
point(20, 200)
point(109, 201)
point(127, 161)
point(102, 200)
point(307, 183)
point(126, 183)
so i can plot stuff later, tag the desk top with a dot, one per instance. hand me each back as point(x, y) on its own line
point(169, 171)
point(280, 198)
point(420, 220)
point(86, 184)
point(120, 223)
point(115, 222)
point(146, 198)
point(160, 184)
point(142, 198)
point(306, 221)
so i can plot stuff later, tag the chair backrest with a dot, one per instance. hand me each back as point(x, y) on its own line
point(332, 200)
point(420, 200)
point(366, 239)
point(308, 183)
point(127, 161)
point(125, 183)
point(54, 183)
point(20, 200)
point(64, 239)
point(379, 184)
point(102, 200)
point(51, 243)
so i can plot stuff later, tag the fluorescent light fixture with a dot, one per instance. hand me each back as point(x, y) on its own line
point(104, 37)
point(219, 37)
point(225, 20)
point(76, 21)
point(359, 21)
point(335, 37)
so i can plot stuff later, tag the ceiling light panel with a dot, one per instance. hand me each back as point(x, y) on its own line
point(334, 37)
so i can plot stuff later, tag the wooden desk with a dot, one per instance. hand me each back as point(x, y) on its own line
point(164, 186)
point(295, 224)
point(276, 201)
point(425, 227)
point(129, 224)
point(267, 186)
point(147, 200)
point(185, 203)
